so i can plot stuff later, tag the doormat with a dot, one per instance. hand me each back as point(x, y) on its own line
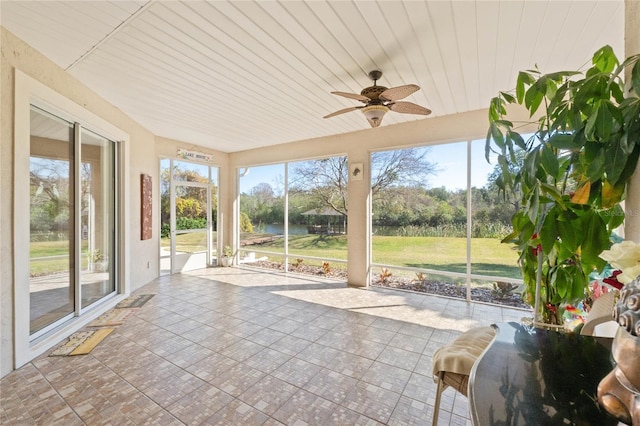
point(82, 342)
point(135, 301)
point(112, 317)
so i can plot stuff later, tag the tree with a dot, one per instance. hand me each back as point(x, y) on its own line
point(326, 180)
point(191, 202)
point(400, 167)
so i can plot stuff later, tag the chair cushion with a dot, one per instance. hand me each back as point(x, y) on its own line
point(459, 355)
point(459, 382)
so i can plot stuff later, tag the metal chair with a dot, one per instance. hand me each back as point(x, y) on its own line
point(452, 363)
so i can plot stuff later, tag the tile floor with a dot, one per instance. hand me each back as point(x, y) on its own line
point(238, 346)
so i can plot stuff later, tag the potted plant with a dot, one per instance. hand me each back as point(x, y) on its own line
point(98, 262)
point(569, 177)
point(227, 256)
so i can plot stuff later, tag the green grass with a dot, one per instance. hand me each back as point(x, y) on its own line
point(327, 246)
point(488, 255)
point(188, 243)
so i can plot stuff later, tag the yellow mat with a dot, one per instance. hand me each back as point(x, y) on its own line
point(112, 317)
point(82, 342)
point(88, 345)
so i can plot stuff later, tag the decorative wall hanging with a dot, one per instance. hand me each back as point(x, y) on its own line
point(146, 205)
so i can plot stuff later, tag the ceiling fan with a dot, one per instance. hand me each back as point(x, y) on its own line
point(379, 99)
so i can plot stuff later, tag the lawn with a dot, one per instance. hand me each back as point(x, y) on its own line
point(489, 256)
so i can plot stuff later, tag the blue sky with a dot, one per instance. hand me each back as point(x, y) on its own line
point(450, 160)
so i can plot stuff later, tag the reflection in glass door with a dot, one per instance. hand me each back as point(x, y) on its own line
point(51, 285)
point(97, 217)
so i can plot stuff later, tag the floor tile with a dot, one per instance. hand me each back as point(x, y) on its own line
point(242, 346)
point(268, 394)
point(305, 408)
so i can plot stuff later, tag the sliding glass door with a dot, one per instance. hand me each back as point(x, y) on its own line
point(51, 266)
point(72, 219)
point(97, 184)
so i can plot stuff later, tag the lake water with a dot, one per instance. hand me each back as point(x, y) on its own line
point(278, 229)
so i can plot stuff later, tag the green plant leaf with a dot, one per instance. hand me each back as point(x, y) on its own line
point(496, 109)
point(549, 160)
point(613, 217)
point(517, 139)
point(533, 206)
point(599, 124)
point(563, 141)
point(554, 193)
point(568, 234)
point(616, 161)
point(617, 92)
point(595, 157)
point(508, 97)
point(535, 94)
point(560, 118)
point(611, 194)
point(549, 232)
point(524, 78)
point(589, 91)
point(487, 146)
point(506, 173)
point(635, 78)
point(596, 239)
point(631, 164)
point(578, 285)
point(604, 59)
point(559, 76)
point(496, 134)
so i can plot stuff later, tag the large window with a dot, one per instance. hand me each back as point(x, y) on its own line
point(72, 219)
point(293, 216)
point(437, 224)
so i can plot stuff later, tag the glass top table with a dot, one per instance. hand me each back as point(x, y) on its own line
point(534, 376)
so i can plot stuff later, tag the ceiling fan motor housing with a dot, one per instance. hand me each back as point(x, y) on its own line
point(373, 92)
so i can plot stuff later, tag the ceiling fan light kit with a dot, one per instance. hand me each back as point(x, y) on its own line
point(379, 99)
point(374, 114)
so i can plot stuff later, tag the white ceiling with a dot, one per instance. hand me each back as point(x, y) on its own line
point(236, 75)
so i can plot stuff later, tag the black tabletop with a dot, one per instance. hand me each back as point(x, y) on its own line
point(533, 376)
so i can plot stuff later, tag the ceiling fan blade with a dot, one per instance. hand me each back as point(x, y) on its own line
point(409, 108)
point(400, 92)
point(342, 111)
point(355, 96)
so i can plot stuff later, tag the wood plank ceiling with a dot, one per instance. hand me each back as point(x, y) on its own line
point(236, 75)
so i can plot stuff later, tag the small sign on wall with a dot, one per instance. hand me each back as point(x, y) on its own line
point(146, 206)
point(194, 155)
